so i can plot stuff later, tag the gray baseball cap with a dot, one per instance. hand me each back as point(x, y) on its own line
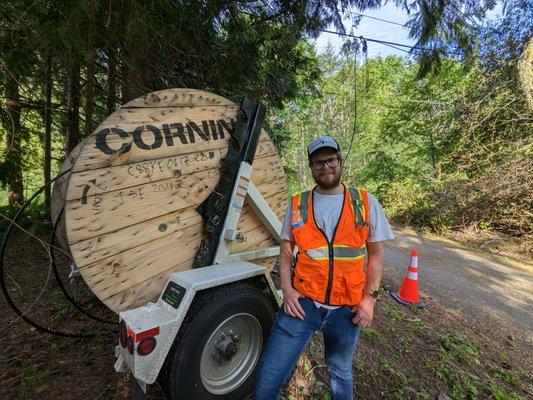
point(321, 143)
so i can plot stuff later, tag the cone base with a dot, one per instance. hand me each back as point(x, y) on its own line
point(396, 297)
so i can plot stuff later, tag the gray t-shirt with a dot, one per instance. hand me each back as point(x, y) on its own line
point(327, 209)
point(327, 212)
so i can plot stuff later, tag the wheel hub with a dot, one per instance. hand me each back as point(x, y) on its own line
point(226, 346)
point(230, 353)
point(230, 350)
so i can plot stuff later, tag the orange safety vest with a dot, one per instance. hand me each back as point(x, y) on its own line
point(331, 273)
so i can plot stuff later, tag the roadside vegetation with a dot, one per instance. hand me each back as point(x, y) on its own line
point(451, 151)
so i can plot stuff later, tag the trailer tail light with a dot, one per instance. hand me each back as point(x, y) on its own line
point(146, 346)
point(150, 332)
point(146, 339)
point(123, 333)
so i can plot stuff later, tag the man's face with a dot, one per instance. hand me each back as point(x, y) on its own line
point(325, 176)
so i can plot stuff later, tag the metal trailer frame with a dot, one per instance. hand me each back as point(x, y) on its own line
point(163, 319)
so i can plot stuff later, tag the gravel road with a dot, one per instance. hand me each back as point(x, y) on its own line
point(496, 292)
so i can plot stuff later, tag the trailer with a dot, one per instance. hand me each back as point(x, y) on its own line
point(171, 213)
point(205, 334)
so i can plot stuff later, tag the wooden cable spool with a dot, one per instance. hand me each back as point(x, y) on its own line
point(130, 199)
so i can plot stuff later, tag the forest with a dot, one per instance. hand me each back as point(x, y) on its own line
point(442, 136)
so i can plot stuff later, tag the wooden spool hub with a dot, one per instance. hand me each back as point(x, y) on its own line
point(130, 216)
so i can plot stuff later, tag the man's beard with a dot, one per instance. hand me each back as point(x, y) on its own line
point(329, 184)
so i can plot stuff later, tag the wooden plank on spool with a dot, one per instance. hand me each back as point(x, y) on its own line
point(131, 198)
point(179, 98)
point(197, 120)
point(131, 268)
point(129, 175)
point(119, 241)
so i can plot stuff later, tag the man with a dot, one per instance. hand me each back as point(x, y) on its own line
point(333, 227)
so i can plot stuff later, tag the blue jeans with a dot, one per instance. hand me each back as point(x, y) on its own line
point(289, 337)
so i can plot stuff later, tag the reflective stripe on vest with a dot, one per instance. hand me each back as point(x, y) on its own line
point(358, 207)
point(299, 209)
point(339, 253)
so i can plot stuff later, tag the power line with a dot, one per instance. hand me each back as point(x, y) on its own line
point(376, 18)
point(372, 40)
point(354, 128)
point(396, 48)
point(384, 42)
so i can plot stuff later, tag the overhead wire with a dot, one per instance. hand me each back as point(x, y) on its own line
point(376, 18)
point(384, 42)
point(369, 39)
point(367, 16)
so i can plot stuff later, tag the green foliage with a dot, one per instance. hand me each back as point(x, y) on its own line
point(509, 377)
point(446, 151)
point(459, 347)
point(499, 393)
point(371, 334)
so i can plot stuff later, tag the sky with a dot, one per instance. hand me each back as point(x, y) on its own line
point(374, 29)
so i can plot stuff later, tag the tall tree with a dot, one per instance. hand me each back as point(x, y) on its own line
point(17, 61)
point(73, 107)
point(111, 95)
point(12, 126)
point(47, 140)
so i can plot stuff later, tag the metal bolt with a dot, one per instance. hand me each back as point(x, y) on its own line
point(162, 227)
point(177, 173)
point(234, 336)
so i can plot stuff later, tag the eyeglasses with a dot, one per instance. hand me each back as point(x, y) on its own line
point(319, 164)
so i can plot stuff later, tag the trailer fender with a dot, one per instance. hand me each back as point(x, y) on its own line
point(160, 322)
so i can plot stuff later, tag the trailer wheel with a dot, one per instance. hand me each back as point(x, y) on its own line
point(216, 356)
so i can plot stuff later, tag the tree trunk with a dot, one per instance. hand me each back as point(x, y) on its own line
point(138, 78)
point(433, 155)
point(47, 129)
point(13, 155)
point(111, 82)
point(89, 94)
point(127, 81)
point(73, 108)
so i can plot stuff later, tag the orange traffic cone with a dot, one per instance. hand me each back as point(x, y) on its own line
point(408, 293)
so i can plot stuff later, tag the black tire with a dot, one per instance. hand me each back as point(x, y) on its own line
point(196, 368)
